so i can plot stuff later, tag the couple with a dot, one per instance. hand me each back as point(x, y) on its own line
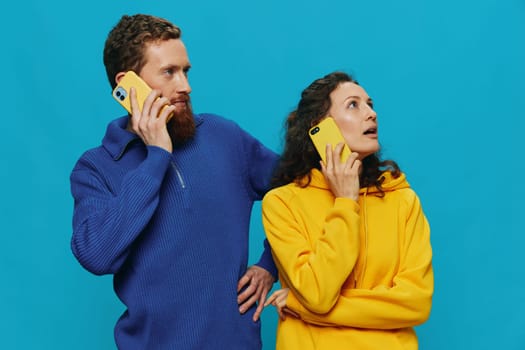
point(165, 207)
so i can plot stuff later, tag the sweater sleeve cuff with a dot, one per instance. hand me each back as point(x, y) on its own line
point(266, 260)
point(156, 163)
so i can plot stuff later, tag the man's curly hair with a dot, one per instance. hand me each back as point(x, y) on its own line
point(127, 41)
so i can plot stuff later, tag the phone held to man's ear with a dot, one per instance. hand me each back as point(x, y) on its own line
point(327, 132)
point(121, 93)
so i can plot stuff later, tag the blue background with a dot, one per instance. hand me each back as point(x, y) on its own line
point(447, 78)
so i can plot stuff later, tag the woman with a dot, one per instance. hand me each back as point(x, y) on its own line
point(350, 240)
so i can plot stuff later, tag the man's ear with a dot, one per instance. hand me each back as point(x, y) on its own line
point(119, 76)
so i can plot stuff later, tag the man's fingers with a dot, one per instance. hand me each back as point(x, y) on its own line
point(256, 282)
point(156, 108)
point(165, 113)
point(135, 110)
point(258, 312)
point(243, 281)
point(248, 304)
point(262, 296)
point(249, 291)
point(260, 304)
point(148, 102)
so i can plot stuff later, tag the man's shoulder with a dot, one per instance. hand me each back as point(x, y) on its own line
point(95, 152)
point(222, 127)
point(214, 120)
point(111, 138)
point(91, 157)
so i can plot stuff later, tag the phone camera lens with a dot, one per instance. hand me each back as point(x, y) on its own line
point(120, 93)
point(314, 130)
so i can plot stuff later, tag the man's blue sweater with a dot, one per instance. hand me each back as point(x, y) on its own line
point(173, 229)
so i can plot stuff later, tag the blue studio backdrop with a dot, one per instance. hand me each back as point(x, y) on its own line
point(447, 79)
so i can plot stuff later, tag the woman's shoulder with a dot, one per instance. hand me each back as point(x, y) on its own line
point(283, 191)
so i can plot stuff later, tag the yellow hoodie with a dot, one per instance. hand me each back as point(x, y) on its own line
point(360, 273)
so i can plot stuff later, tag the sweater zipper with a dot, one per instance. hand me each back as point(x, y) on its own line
point(179, 175)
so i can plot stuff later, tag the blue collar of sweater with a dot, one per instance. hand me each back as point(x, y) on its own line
point(117, 138)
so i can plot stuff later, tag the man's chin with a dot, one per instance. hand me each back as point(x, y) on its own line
point(181, 126)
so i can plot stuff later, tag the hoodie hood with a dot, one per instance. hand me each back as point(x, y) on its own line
point(389, 183)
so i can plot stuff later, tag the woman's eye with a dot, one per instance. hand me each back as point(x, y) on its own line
point(168, 72)
point(352, 105)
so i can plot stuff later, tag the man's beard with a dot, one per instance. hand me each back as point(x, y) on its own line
point(181, 126)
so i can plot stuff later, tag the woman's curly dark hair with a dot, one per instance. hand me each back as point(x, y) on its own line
point(300, 156)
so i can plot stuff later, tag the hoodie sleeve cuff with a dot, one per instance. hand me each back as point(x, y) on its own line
point(346, 204)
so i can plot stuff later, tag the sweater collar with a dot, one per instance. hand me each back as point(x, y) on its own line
point(117, 138)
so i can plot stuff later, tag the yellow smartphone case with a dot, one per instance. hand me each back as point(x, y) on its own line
point(122, 90)
point(327, 132)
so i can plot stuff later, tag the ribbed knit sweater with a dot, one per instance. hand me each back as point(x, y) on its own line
point(173, 229)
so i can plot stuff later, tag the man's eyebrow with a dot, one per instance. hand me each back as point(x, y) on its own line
point(168, 66)
point(175, 67)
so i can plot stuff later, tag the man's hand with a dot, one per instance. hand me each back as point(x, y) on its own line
point(150, 123)
point(258, 283)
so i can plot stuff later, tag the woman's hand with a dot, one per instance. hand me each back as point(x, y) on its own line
point(343, 178)
point(278, 299)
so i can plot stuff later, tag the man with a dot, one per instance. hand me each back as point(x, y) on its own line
point(165, 206)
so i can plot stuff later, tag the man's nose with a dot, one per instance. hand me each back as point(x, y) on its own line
point(182, 84)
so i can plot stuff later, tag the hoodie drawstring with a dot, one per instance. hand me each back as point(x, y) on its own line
point(365, 256)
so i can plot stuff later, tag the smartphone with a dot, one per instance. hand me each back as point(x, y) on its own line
point(327, 132)
point(121, 93)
